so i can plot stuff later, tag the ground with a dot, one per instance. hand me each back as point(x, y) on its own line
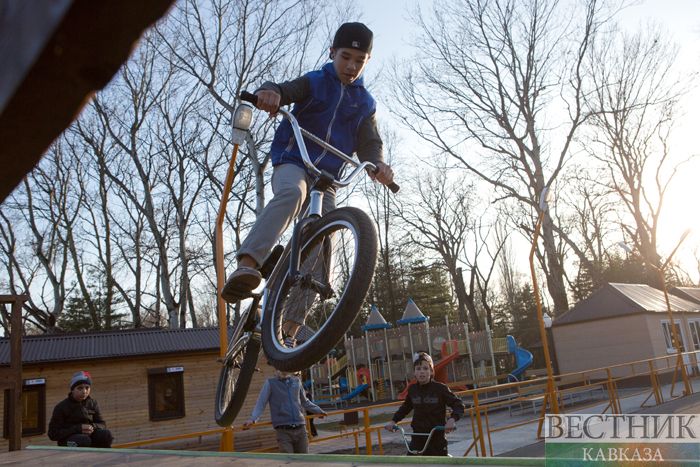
point(390, 449)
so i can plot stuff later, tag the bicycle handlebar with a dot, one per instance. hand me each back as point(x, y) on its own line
point(435, 428)
point(300, 133)
point(405, 435)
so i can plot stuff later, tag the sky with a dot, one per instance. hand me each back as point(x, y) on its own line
point(389, 19)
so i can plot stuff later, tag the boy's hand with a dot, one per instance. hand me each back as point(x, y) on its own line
point(247, 424)
point(450, 425)
point(383, 175)
point(87, 429)
point(390, 426)
point(268, 101)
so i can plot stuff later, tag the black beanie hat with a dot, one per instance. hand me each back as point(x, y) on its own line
point(353, 36)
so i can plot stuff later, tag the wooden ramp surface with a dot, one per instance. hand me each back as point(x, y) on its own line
point(50, 455)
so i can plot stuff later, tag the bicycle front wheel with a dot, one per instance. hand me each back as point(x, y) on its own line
point(337, 262)
point(235, 378)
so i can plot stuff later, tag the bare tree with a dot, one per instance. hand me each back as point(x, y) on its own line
point(44, 211)
point(489, 77)
point(380, 207)
point(133, 129)
point(636, 93)
point(227, 46)
point(439, 218)
point(587, 222)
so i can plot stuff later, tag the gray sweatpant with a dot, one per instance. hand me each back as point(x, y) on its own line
point(290, 186)
point(292, 441)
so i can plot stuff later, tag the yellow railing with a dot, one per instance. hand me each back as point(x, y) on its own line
point(479, 404)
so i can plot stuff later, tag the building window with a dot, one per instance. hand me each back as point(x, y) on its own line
point(670, 348)
point(33, 408)
point(695, 333)
point(166, 393)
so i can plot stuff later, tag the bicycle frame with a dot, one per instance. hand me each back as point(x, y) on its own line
point(322, 181)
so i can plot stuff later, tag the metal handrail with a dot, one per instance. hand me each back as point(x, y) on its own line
point(479, 412)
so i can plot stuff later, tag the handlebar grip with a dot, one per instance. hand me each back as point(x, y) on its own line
point(249, 97)
point(394, 187)
point(439, 428)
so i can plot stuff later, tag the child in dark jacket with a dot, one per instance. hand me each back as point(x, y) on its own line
point(76, 420)
point(428, 399)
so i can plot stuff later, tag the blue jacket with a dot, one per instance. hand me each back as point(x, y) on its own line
point(333, 111)
point(286, 398)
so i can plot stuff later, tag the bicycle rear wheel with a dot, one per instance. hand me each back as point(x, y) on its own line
point(236, 375)
point(338, 258)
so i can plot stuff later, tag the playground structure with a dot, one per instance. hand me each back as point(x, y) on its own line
point(463, 359)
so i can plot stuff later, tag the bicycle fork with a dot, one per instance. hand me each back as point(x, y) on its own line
point(307, 280)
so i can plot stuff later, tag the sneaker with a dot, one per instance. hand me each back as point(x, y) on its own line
point(289, 342)
point(240, 284)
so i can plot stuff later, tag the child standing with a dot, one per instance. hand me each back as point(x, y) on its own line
point(285, 394)
point(428, 399)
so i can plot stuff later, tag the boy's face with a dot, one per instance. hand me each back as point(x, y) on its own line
point(80, 392)
point(349, 63)
point(422, 372)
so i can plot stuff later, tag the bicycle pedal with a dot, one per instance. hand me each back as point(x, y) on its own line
point(232, 295)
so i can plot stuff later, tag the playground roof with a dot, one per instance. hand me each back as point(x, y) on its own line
point(375, 320)
point(613, 300)
point(412, 314)
point(110, 344)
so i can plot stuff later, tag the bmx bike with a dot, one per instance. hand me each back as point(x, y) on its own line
point(326, 269)
point(407, 436)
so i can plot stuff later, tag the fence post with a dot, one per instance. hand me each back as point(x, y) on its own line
point(368, 432)
point(479, 428)
point(12, 377)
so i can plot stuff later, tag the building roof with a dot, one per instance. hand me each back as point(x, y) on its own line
point(111, 344)
point(687, 293)
point(614, 300)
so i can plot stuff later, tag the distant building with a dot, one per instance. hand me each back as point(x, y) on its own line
point(622, 323)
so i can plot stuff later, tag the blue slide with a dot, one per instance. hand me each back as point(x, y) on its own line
point(354, 392)
point(523, 359)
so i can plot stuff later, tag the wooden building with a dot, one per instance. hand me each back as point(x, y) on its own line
point(148, 382)
point(622, 323)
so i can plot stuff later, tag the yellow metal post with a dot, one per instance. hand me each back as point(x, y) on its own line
point(368, 432)
point(218, 236)
point(551, 393)
point(227, 435)
point(479, 427)
point(674, 335)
